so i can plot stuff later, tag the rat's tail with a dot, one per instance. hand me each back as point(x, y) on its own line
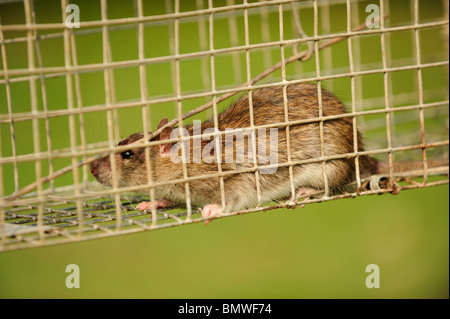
point(404, 166)
point(370, 166)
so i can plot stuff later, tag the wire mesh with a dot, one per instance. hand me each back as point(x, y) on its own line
point(70, 88)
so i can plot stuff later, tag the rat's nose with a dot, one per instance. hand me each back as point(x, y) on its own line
point(93, 169)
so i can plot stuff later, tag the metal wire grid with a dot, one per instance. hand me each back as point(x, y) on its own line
point(50, 216)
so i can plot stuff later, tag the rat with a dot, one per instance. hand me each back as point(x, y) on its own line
point(240, 189)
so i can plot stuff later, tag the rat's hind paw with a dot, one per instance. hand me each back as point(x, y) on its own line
point(211, 211)
point(303, 192)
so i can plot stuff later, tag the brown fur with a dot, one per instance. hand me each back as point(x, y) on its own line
point(240, 189)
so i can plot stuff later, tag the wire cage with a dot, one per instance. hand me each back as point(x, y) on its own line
point(78, 77)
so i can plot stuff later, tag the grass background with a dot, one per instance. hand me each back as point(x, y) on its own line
point(318, 252)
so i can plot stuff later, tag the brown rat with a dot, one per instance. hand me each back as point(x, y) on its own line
point(240, 189)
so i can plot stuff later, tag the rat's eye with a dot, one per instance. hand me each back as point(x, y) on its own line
point(127, 154)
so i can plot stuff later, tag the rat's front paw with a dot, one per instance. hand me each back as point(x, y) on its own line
point(211, 211)
point(157, 204)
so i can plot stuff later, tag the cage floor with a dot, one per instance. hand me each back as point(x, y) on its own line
point(57, 220)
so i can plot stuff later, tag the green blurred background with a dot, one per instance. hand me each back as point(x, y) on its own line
point(320, 251)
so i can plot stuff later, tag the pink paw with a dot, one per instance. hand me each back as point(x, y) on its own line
point(211, 211)
point(157, 204)
point(303, 192)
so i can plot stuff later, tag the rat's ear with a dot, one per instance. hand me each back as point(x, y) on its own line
point(164, 149)
point(163, 122)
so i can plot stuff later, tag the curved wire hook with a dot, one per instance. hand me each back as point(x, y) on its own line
point(301, 33)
